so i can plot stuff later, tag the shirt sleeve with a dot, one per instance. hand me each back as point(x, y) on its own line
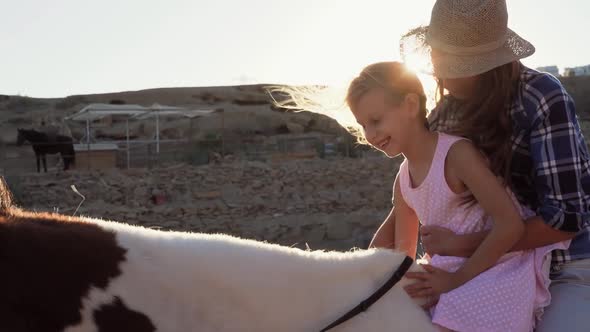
point(560, 162)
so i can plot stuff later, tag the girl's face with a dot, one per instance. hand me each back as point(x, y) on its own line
point(385, 124)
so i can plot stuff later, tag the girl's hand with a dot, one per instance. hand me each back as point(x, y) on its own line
point(432, 283)
point(438, 240)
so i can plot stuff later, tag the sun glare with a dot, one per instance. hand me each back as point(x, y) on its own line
point(429, 85)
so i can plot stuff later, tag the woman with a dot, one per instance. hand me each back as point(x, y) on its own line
point(500, 104)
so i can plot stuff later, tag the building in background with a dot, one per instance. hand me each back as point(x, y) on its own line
point(577, 71)
point(553, 70)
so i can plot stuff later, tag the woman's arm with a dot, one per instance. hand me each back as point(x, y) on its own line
point(400, 229)
point(440, 241)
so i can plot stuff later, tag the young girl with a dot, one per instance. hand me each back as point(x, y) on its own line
point(445, 181)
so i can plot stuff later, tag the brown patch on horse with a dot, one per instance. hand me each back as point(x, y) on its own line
point(117, 317)
point(48, 263)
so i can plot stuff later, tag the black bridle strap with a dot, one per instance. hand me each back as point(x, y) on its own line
point(363, 306)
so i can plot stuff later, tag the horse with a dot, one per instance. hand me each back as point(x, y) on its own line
point(79, 274)
point(43, 145)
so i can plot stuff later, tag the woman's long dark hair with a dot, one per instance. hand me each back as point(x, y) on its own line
point(485, 118)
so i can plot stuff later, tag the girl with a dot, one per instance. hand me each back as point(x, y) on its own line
point(446, 181)
point(526, 124)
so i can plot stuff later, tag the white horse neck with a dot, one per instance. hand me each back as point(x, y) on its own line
point(230, 284)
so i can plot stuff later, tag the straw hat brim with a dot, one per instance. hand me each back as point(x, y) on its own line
point(414, 48)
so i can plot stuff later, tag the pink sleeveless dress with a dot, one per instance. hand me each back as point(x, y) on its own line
point(511, 295)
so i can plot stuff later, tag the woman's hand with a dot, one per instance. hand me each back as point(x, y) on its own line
point(438, 240)
point(431, 284)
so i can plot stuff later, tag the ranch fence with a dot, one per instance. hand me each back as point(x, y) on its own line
point(142, 153)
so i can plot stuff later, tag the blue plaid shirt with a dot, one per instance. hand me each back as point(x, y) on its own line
point(550, 163)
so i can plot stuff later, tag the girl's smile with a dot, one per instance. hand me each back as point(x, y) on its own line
point(383, 143)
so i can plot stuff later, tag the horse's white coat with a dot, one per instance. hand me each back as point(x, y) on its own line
point(197, 282)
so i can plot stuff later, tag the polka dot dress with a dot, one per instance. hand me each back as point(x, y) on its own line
point(506, 297)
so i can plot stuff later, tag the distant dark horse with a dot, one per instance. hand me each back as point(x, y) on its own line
point(42, 145)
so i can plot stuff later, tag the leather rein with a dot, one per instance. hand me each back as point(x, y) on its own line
point(364, 305)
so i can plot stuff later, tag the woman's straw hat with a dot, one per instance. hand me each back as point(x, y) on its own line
point(469, 37)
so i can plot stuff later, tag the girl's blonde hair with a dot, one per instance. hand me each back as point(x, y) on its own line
point(393, 77)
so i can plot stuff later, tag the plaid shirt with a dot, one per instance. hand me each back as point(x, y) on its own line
point(550, 163)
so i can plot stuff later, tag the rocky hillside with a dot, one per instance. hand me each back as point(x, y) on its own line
point(247, 110)
point(248, 116)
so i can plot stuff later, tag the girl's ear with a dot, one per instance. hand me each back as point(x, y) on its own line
point(412, 101)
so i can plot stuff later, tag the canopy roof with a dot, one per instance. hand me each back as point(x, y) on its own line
point(163, 110)
point(98, 111)
point(94, 112)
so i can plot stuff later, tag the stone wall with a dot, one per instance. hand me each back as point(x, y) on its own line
point(321, 203)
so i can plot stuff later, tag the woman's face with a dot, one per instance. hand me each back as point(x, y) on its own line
point(460, 88)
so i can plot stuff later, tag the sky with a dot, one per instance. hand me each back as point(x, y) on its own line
point(64, 47)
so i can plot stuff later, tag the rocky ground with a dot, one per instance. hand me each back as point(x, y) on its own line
point(333, 203)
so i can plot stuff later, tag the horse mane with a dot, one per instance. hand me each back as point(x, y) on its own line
point(39, 134)
point(29, 134)
point(5, 198)
point(32, 132)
